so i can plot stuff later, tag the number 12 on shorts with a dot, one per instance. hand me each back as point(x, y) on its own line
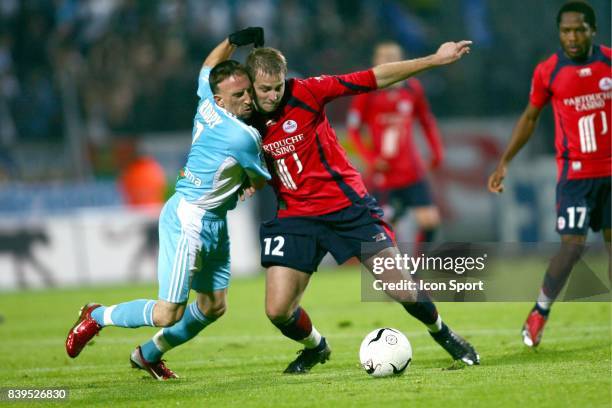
point(279, 242)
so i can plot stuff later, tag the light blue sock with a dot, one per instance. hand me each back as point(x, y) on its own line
point(187, 328)
point(136, 313)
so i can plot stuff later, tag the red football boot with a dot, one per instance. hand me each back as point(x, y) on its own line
point(533, 328)
point(83, 330)
point(157, 370)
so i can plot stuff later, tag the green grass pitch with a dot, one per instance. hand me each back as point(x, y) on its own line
point(238, 361)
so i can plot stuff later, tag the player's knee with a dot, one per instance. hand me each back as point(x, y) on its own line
point(278, 313)
point(165, 320)
point(215, 311)
point(166, 317)
point(212, 305)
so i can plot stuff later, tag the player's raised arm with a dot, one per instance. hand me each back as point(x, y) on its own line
point(520, 135)
point(390, 73)
point(223, 51)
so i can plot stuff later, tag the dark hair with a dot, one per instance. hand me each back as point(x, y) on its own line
point(266, 60)
point(579, 7)
point(224, 70)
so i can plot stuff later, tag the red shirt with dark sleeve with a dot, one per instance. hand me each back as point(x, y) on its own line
point(311, 173)
point(580, 93)
point(389, 115)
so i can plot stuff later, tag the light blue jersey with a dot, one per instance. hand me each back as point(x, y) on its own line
point(194, 246)
point(224, 151)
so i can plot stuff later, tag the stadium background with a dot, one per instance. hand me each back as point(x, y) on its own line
point(96, 93)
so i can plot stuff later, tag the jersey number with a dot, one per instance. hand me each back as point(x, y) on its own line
point(586, 130)
point(198, 133)
point(278, 249)
point(390, 142)
point(283, 172)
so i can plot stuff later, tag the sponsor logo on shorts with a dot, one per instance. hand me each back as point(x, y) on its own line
point(560, 223)
point(576, 166)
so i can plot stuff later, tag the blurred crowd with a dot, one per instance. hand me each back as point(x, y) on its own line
point(128, 66)
point(118, 67)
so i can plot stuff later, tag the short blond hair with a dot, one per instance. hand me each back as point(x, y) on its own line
point(269, 61)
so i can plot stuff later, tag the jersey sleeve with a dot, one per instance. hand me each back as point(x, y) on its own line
point(326, 88)
point(428, 124)
point(354, 122)
point(247, 150)
point(204, 90)
point(539, 94)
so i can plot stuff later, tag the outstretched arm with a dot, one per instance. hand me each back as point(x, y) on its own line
point(222, 52)
point(520, 135)
point(390, 73)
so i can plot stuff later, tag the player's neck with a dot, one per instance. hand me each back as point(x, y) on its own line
point(582, 58)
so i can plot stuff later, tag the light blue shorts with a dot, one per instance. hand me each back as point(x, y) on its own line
point(194, 250)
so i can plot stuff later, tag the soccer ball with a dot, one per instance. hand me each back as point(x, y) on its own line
point(385, 352)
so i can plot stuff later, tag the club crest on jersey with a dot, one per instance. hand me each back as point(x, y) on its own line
point(605, 84)
point(290, 126)
point(585, 72)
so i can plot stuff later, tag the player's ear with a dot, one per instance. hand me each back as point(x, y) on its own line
point(219, 101)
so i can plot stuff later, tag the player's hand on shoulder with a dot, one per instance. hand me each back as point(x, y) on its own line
point(496, 179)
point(246, 36)
point(450, 52)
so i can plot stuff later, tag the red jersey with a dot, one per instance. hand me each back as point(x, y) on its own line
point(389, 115)
point(580, 94)
point(311, 173)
